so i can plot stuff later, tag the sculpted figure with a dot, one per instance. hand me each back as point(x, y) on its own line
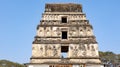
point(84, 53)
point(82, 47)
point(45, 50)
point(75, 51)
point(41, 51)
point(92, 48)
point(88, 47)
point(55, 52)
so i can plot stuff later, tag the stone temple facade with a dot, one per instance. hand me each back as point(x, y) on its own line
point(64, 39)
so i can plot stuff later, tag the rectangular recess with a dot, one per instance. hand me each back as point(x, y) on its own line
point(64, 34)
point(64, 19)
point(64, 48)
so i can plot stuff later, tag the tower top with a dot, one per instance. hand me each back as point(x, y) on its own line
point(63, 7)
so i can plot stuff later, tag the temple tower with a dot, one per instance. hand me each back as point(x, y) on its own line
point(64, 39)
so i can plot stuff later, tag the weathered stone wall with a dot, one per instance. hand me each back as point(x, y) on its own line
point(83, 50)
point(75, 50)
point(70, 7)
point(46, 50)
point(56, 31)
point(70, 17)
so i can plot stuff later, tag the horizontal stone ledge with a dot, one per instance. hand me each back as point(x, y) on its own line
point(45, 58)
point(65, 41)
point(65, 25)
point(63, 13)
point(62, 63)
point(59, 43)
point(68, 20)
point(65, 58)
point(68, 37)
point(71, 63)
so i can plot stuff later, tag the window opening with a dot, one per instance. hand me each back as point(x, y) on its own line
point(64, 19)
point(64, 51)
point(64, 34)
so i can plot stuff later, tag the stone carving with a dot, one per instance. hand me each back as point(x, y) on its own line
point(70, 32)
point(41, 48)
point(84, 53)
point(33, 48)
point(41, 51)
point(58, 31)
point(71, 47)
point(92, 48)
point(51, 51)
point(82, 47)
point(35, 51)
point(45, 50)
point(88, 47)
point(93, 51)
point(55, 52)
point(75, 51)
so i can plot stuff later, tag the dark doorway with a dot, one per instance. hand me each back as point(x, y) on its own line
point(64, 48)
point(64, 51)
point(64, 19)
point(64, 34)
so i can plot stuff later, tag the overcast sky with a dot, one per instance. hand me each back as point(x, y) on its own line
point(19, 19)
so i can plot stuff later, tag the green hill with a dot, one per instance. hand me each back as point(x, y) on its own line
point(109, 57)
point(6, 63)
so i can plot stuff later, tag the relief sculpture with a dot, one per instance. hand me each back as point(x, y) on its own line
point(55, 52)
point(51, 51)
point(45, 50)
point(82, 47)
point(75, 51)
point(93, 53)
point(84, 53)
point(87, 47)
point(92, 48)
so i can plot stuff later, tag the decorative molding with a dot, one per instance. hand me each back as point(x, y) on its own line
point(65, 58)
point(87, 41)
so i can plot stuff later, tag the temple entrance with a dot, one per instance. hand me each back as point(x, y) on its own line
point(60, 65)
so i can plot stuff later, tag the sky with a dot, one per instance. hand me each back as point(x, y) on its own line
point(19, 20)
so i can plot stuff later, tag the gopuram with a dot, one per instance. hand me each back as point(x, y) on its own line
point(64, 39)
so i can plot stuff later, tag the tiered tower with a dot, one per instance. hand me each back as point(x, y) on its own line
point(64, 29)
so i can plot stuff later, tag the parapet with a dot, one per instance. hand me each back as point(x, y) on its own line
point(69, 7)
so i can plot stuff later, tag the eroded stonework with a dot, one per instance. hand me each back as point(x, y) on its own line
point(64, 28)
